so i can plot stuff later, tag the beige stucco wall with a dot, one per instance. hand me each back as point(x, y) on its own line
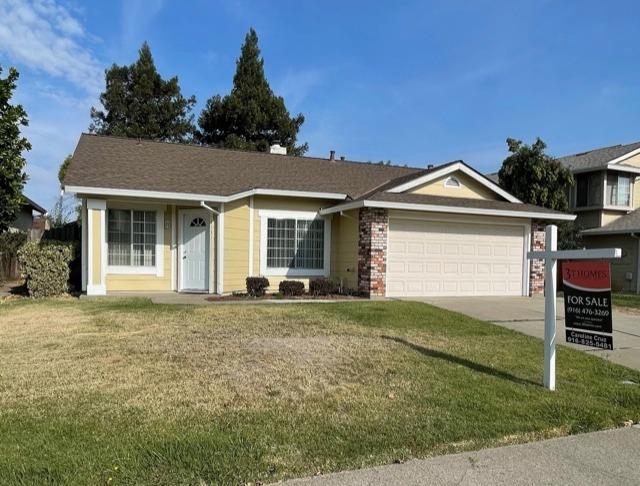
point(619, 266)
point(470, 188)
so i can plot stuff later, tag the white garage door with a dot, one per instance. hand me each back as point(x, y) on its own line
point(429, 258)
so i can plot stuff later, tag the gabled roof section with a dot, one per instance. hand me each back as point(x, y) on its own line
point(33, 205)
point(629, 223)
point(418, 179)
point(124, 166)
point(601, 158)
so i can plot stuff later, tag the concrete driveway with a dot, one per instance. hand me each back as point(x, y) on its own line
point(526, 314)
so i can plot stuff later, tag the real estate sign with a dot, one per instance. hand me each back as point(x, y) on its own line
point(587, 302)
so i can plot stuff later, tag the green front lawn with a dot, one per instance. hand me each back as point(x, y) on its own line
point(127, 392)
point(630, 301)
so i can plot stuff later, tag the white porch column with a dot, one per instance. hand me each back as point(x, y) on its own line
point(220, 250)
point(96, 246)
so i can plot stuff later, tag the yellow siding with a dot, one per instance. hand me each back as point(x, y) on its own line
point(147, 283)
point(280, 204)
point(236, 244)
point(344, 249)
point(470, 188)
point(96, 244)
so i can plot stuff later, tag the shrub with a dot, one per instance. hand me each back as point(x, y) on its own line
point(257, 286)
point(322, 286)
point(45, 267)
point(10, 242)
point(290, 288)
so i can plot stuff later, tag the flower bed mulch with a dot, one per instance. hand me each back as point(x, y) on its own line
point(247, 298)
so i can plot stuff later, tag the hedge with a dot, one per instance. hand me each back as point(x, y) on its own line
point(45, 267)
point(257, 286)
point(322, 286)
point(290, 288)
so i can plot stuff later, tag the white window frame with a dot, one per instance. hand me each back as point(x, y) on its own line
point(265, 215)
point(455, 180)
point(609, 189)
point(158, 268)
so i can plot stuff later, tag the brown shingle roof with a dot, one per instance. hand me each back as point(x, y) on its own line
point(121, 163)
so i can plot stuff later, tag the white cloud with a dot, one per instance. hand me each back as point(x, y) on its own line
point(46, 37)
point(136, 16)
point(296, 85)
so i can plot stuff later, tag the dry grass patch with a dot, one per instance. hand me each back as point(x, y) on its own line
point(231, 394)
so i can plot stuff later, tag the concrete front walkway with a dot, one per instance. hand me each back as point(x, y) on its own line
point(526, 314)
point(600, 458)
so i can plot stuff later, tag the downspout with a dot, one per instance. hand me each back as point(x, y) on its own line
point(636, 236)
point(209, 208)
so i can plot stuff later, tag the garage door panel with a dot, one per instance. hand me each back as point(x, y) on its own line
point(446, 258)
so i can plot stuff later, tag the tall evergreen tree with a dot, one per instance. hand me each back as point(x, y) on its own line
point(138, 103)
point(12, 145)
point(251, 117)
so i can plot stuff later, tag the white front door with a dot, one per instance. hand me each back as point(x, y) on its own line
point(195, 250)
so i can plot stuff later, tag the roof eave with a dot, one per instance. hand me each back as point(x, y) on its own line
point(448, 209)
point(184, 196)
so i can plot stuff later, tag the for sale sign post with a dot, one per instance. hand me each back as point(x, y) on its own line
point(587, 302)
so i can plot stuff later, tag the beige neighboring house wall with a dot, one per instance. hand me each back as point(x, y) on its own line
point(469, 188)
point(607, 217)
point(619, 266)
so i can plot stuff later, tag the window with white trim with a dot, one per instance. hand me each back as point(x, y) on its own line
point(131, 238)
point(452, 182)
point(295, 243)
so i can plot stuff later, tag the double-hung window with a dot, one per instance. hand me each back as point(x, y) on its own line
point(131, 238)
point(294, 245)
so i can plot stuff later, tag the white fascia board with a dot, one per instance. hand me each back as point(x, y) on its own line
point(449, 209)
point(623, 168)
point(625, 156)
point(184, 196)
point(458, 166)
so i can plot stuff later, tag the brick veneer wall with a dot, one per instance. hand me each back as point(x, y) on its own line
point(373, 226)
point(536, 272)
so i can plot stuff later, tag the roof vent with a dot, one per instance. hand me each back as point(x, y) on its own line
point(342, 157)
point(278, 149)
point(332, 155)
point(430, 166)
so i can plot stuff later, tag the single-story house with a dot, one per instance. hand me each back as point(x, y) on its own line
point(173, 217)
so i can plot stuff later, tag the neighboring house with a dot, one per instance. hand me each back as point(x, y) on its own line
point(606, 199)
point(172, 217)
point(24, 218)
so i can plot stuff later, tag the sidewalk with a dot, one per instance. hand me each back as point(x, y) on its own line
point(600, 458)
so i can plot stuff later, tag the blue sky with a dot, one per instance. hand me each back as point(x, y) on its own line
point(412, 82)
